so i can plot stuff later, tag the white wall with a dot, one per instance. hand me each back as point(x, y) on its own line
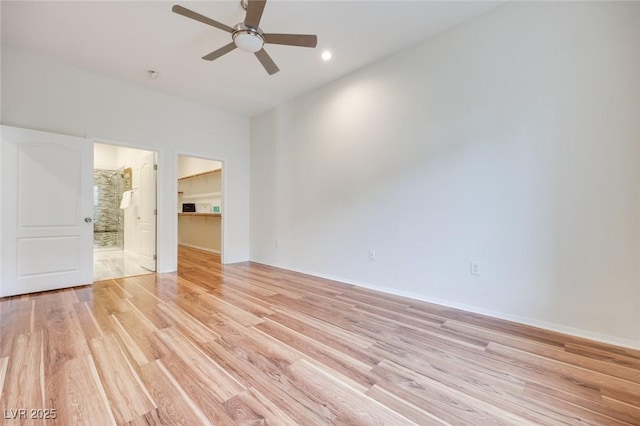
point(41, 94)
point(512, 140)
point(105, 156)
point(188, 166)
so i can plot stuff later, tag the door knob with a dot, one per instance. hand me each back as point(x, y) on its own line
point(88, 219)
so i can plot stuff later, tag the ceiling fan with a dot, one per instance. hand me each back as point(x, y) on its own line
point(248, 36)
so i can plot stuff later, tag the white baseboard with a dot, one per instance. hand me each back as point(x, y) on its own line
point(200, 248)
point(576, 332)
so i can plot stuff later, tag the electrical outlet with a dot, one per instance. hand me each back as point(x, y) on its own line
point(372, 254)
point(475, 268)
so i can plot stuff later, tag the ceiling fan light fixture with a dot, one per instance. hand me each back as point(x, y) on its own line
point(248, 40)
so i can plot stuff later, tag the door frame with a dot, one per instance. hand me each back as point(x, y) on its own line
point(223, 188)
point(157, 156)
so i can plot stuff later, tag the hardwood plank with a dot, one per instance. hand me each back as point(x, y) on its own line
point(84, 293)
point(147, 315)
point(218, 305)
point(244, 301)
point(348, 404)
point(269, 377)
point(623, 410)
point(328, 334)
point(109, 299)
point(520, 330)
point(445, 402)
point(187, 324)
point(135, 288)
point(174, 405)
point(15, 321)
point(495, 387)
point(251, 340)
point(592, 414)
point(411, 320)
point(411, 411)
point(199, 390)
point(547, 351)
point(331, 358)
point(127, 396)
point(603, 354)
point(200, 365)
point(4, 363)
point(63, 338)
point(252, 344)
point(25, 374)
point(90, 327)
point(430, 331)
point(100, 316)
point(141, 331)
point(132, 349)
point(615, 388)
point(8, 329)
point(75, 391)
point(251, 407)
point(499, 369)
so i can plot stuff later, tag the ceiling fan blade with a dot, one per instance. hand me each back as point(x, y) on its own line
point(302, 40)
point(194, 15)
point(222, 51)
point(254, 13)
point(267, 62)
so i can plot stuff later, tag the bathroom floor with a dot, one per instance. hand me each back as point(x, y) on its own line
point(108, 264)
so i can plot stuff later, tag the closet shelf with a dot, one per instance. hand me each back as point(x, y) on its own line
point(201, 195)
point(210, 172)
point(199, 214)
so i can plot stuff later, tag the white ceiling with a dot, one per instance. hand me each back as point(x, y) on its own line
point(124, 39)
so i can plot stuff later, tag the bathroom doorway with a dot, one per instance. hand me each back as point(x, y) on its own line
point(124, 211)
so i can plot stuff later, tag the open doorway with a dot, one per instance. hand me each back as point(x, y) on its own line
point(200, 209)
point(124, 212)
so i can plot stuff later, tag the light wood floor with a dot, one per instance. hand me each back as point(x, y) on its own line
point(251, 344)
point(108, 264)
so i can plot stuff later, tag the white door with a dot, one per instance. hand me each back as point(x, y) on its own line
point(147, 212)
point(47, 209)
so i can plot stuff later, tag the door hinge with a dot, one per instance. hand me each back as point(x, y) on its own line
point(155, 212)
point(155, 167)
point(155, 257)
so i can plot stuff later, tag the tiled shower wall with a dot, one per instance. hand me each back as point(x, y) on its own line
point(108, 218)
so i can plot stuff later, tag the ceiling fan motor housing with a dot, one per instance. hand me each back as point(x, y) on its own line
point(247, 38)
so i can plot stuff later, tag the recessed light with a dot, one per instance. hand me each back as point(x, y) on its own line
point(326, 55)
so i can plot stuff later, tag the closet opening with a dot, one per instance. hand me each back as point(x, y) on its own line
point(200, 212)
